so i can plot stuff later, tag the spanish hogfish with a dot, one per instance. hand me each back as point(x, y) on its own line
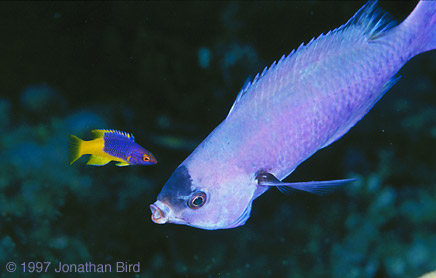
point(302, 103)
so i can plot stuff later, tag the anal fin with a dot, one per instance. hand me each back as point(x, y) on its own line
point(96, 160)
point(121, 164)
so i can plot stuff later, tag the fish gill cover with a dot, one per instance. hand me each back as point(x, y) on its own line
point(168, 73)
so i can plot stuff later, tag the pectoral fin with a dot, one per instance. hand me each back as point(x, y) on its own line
point(121, 164)
point(316, 187)
point(96, 160)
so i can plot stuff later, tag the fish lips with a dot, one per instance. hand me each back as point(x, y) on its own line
point(161, 213)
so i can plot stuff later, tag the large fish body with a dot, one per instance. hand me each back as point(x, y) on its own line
point(299, 105)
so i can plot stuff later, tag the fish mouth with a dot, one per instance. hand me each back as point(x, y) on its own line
point(153, 160)
point(161, 213)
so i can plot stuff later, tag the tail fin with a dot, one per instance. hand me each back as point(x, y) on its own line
point(422, 23)
point(75, 148)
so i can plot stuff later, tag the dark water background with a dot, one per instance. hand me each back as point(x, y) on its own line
point(169, 72)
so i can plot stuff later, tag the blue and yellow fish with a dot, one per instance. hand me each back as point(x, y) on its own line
point(110, 145)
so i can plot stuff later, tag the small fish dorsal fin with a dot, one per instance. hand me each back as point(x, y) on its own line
point(99, 133)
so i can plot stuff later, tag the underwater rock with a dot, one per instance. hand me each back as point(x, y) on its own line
point(41, 99)
point(204, 57)
point(174, 142)
point(395, 266)
point(7, 246)
point(5, 113)
point(83, 121)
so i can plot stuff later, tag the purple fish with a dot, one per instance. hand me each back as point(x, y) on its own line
point(301, 104)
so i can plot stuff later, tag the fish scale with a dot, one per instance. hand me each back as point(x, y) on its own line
point(300, 90)
point(116, 145)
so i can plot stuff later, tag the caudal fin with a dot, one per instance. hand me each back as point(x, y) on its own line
point(74, 148)
point(421, 23)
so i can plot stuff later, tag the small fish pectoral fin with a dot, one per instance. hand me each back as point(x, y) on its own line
point(96, 160)
point(121, 164)
point(316, 187)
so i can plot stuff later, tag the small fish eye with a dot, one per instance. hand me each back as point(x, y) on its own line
point(145, 158)
point(197, 200)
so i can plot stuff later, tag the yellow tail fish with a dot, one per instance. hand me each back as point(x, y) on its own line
point(110, 145)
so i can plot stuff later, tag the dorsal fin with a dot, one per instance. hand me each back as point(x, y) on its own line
point(99, 133)
point(247, 85)
point(369, 23)
point(241, 92)
point(372, 20)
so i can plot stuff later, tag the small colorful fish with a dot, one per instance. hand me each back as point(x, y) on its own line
point(110, 145)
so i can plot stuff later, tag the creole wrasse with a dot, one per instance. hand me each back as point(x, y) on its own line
point(302, 103)
point(110, 145)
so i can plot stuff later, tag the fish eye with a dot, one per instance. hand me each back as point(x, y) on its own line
point(145, 158)
point(197, 200)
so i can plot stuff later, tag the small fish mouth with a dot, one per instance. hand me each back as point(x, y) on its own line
point(159, 212)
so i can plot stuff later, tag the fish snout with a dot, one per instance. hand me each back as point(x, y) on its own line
point(153, 160)
point(159, 212)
